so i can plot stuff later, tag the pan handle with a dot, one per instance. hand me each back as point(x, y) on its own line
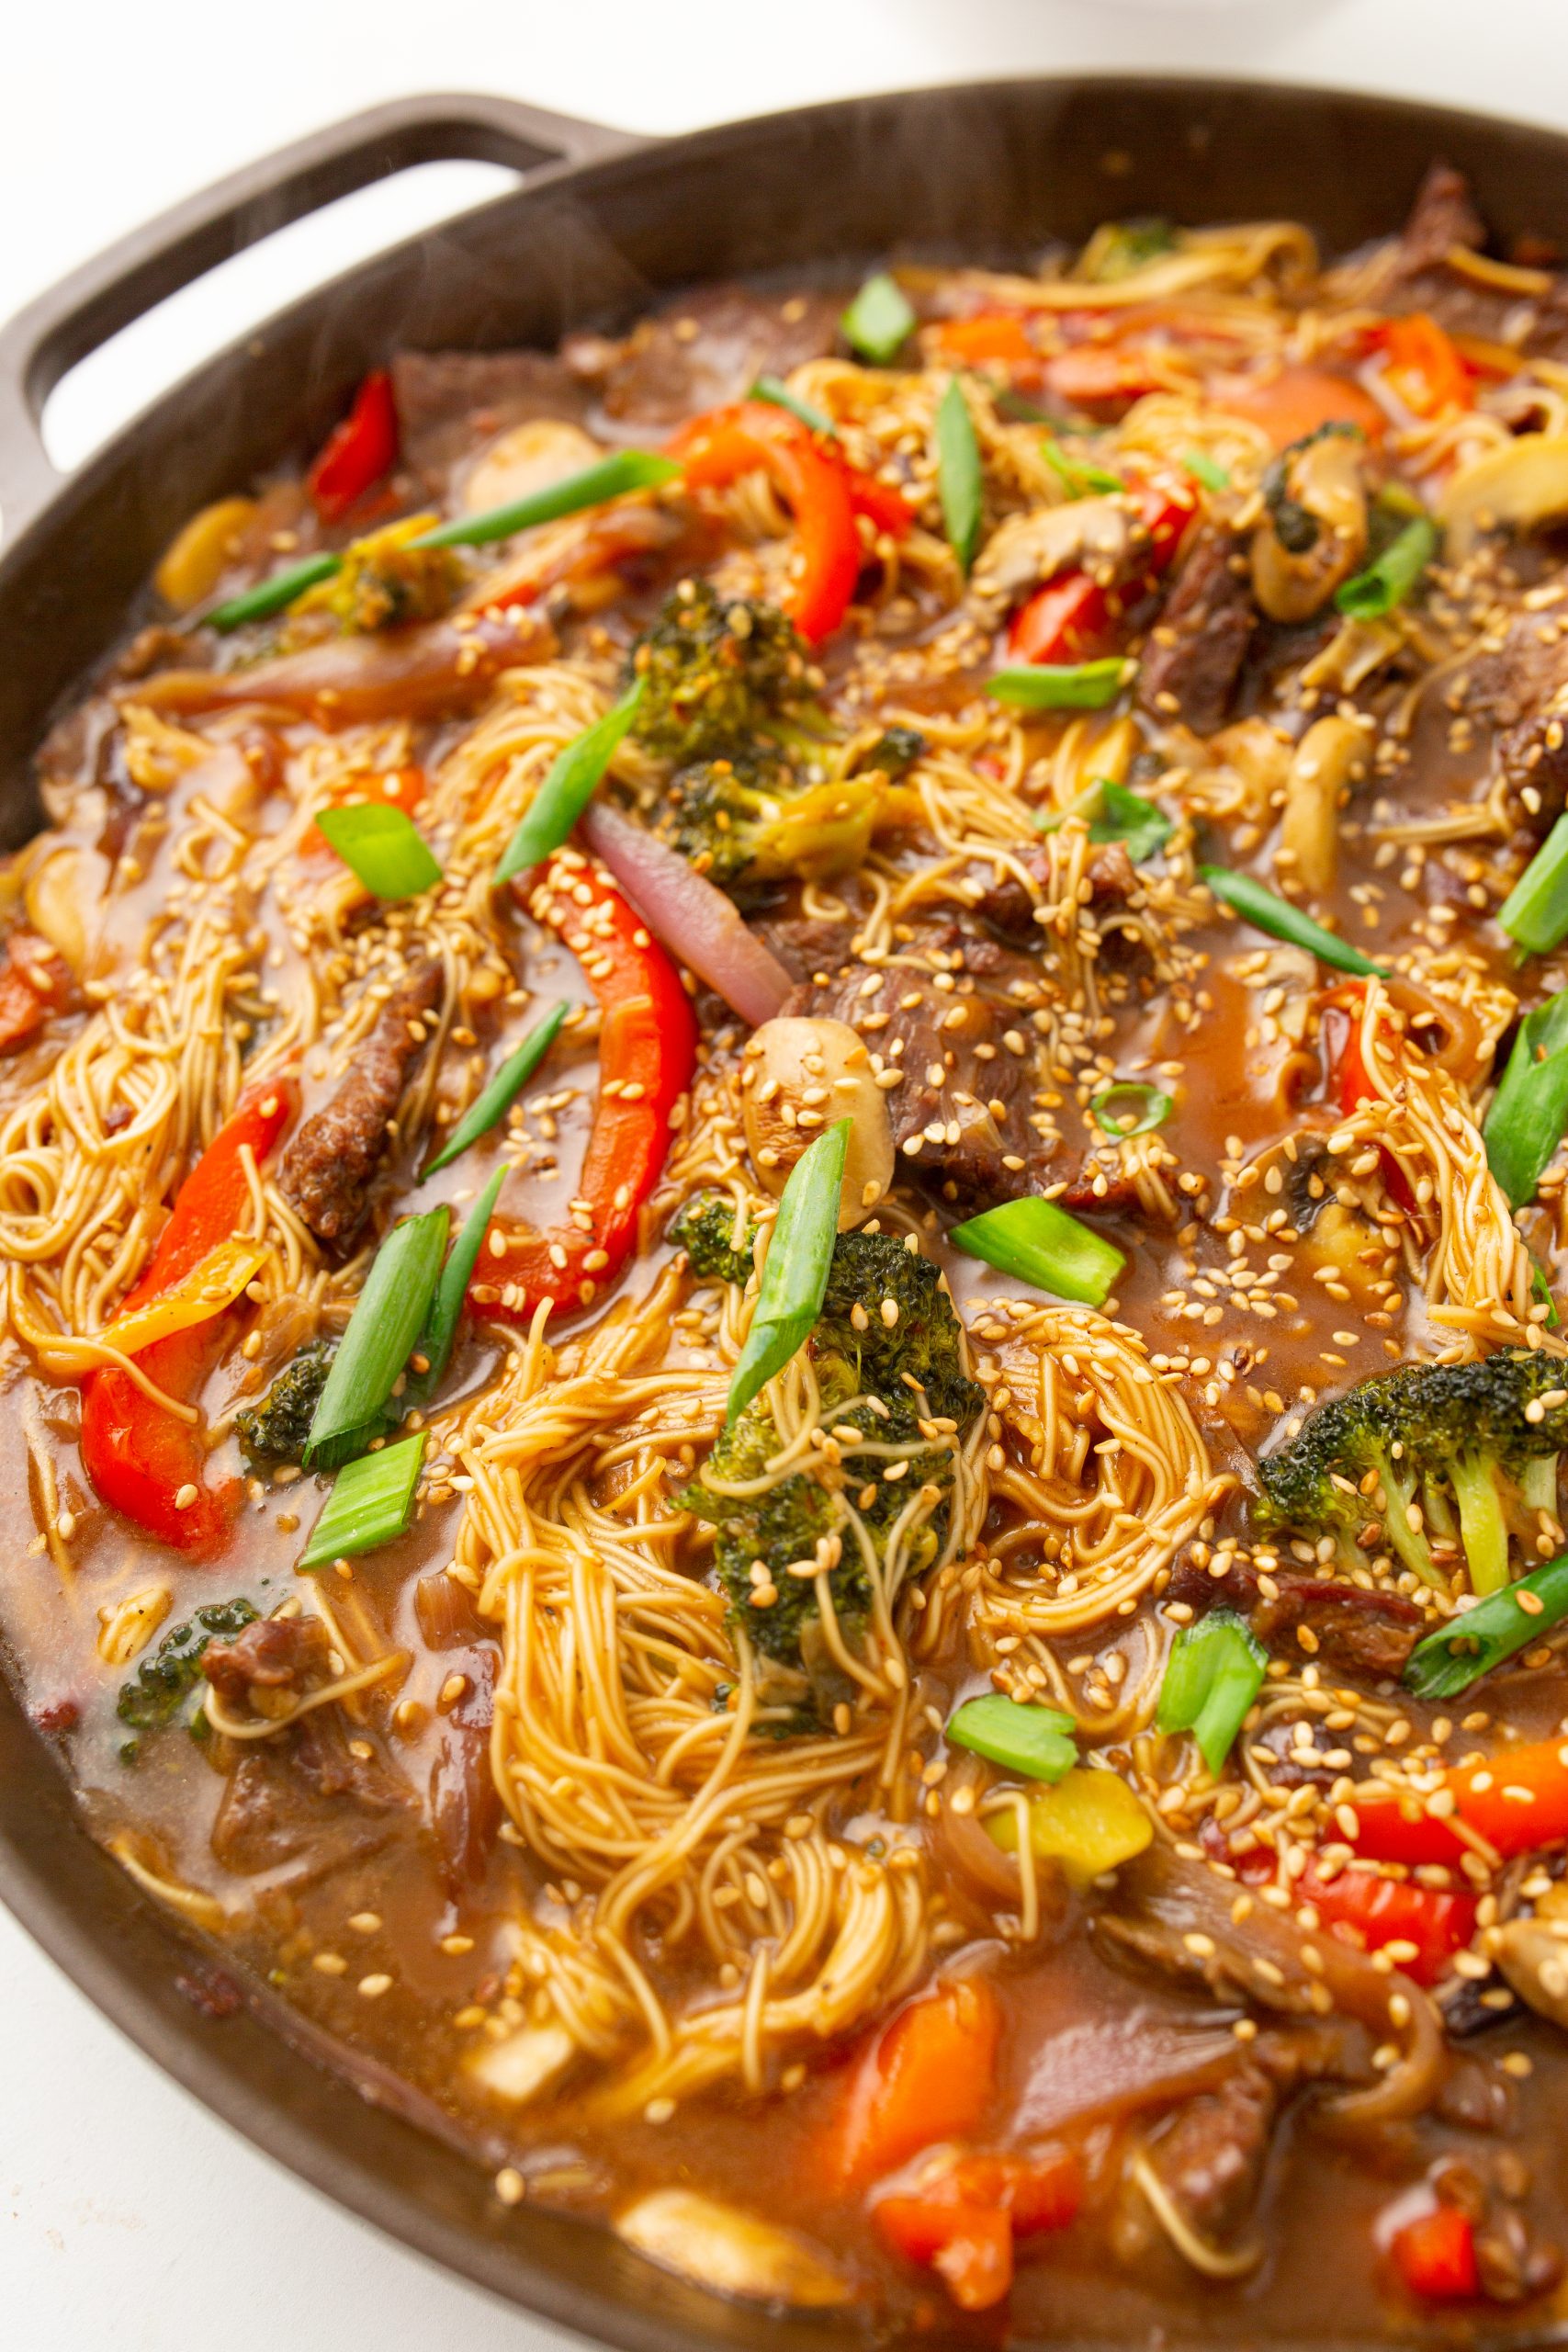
point(116, 286)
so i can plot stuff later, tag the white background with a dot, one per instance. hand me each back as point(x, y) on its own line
point(128, 2216)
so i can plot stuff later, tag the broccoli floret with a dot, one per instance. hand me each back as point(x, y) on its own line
point(1452, 1451)
point(705, 1229)
point(276, 1428)
point(384, 581)
point(895, 751)
point(883, 1377)
point(157, 1690)
point(717, 672)
point(744, 821)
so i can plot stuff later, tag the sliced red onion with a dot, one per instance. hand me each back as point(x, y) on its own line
point(688, 915)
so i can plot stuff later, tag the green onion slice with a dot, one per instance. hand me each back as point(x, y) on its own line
point(1281, 920)
point(608, 478)
point(1077, 474)
point(574, 777)
point(1471, 1644)
point(371, 1502)
point(1529, 1110)
point(1387, 582)
point(1206, 469)
point(961, 478)
point(1215, 1672)
point(794, 1277)
point(384, 848)
point(387, 1318)
point(1037, 1741)
point(1130, 1108)
point(269, 596)
point(879, 321)
point(503, 1088)
point(777, 394)
point(1062, 686)
point(1535, 911)
point(441, 1324)
point(1042, 1244)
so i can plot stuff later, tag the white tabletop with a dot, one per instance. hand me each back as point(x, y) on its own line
point(128, 2216)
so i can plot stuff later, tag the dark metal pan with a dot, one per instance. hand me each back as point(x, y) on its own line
point(600, 220)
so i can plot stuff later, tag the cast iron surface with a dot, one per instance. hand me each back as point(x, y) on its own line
point(600, 223)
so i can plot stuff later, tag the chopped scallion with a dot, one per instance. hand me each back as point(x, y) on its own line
point(1535, 911)
point(1130, 1108)
point(794, 1276)
point(441, 1324)
point(1206, 469)
point(777, 394)
point(503, 1091)
point(1215, 1672)
point(960, 475)
point(607, 478)
point(387, 1318)
point(1042, 1244)
point(370, 1504)
point(1077, 474)
point(1036, 1741)
point(574, 777)
point(274, 595)
point(1475, 1641)
point(879, 321)
point(383, 847)
point(1281, 920)
point(1388, 580)
point(1529, 1110)
point(1062, 686)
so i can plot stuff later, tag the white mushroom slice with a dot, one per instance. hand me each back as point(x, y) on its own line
point(1533, 1956)
point(1103, 537)
point(529, 457)
point(1323, 482)
point(54, 894)
point(800, 1074)
point(1330, 756)
point(1515, 487)
point(524, 2065)
point(729, 2251)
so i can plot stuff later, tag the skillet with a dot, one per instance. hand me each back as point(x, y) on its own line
point(600, 220)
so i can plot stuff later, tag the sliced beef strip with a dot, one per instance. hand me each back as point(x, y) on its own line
point(969, 1126)
point(1419, 276)
point(1008, 907)
point(328, 1168)
point(305, 1797)
point(1370, 1634)
point(1193, 659)
point(450, 404)
point(1520, 689)
point(806, 945)
point(272, 1653)
point(1213, 2158)
point(703, 350)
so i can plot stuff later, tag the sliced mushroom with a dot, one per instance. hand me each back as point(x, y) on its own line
point(56, 895)
point(530, 457)
point(1315, 534)
point(1533, 1955)
point(522, 2065)
point(1518, 487)
point(730, 2252)
point(1104, 536)
point(1330, 757)
point(799, 1076)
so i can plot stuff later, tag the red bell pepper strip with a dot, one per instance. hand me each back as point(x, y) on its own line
point(1349, 1079)
point(823, 492)
point(140, 1457)
point(929, 2075)
point(964, 2221)
point(1073, 617)
point(34, 983)
point(1423, 367)
point(1435, 2255)
point(1518, 1800)
point(357, 452)
point(648, 1050)
point(1361, 1908)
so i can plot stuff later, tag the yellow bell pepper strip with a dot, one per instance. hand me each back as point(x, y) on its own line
point(1090, 1822)
point(214, 1283)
